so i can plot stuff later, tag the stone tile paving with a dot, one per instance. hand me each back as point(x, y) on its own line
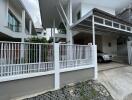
point(88, 90)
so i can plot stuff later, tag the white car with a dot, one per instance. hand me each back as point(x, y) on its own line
point(103, 57)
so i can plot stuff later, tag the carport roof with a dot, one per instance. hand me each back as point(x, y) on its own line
point(103, 22)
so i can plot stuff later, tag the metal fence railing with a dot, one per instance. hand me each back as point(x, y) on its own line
point(75, 55)
point(21, 58)
point(18, 58)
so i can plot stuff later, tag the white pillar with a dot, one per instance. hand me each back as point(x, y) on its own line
point(70, 11)
point(56, 65)
point(23, 22)
point(94, 50)
point(30, 27)
point(69, 36)
point(51, 32)
point(22, 50)
point(22, 39)
point(54, 39)
point(93, 29)
point(69, 32)
point(94, 60)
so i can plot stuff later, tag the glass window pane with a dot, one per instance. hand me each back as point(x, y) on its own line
point(98, 20)
point(13, 23)
point(107, 22)
point(123, 27)
point(116, 25)
point(128, 28)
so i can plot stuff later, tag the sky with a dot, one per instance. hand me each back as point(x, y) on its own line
point(33, 8)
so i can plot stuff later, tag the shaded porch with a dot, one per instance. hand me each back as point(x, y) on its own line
point(107, 31)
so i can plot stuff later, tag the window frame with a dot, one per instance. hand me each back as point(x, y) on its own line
point(13, 22)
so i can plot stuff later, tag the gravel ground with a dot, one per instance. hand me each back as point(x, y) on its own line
point(89, 90)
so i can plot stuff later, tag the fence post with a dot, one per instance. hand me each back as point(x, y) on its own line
point(22, 51)
point(56, 66)
point(39, 56)
point(94, 60)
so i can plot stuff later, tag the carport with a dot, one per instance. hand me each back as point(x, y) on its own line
point(98, 23)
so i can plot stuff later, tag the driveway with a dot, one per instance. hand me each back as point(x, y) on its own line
point(117, 80)
point(111, 65)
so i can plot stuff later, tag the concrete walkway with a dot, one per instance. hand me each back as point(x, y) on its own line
point(118, 81)
point(111, 65)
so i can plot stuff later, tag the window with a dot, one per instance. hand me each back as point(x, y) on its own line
point(78, 15)
point(107, 22)
point(123, 27)
point(13, 23)
point(116, 25)
point(128, 28)
point(98, 20)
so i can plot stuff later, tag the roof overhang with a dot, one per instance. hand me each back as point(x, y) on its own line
point(103, 22)
point(49, 13)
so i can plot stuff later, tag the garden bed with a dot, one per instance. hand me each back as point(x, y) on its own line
point(88, 90)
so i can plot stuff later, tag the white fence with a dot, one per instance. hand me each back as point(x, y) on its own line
point(27, 58)
point(75, 55)
point(23, 58)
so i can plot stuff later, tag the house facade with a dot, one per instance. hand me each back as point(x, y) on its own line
point(72, 12)
point(40, 67)
point(15, 22)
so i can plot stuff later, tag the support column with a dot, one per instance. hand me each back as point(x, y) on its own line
point(94, 50)
point(94, 60)
point(57, 66)
point(54, 38)
point(70, 11)
point(93, 29)
point(30, 27)
point(51, 32)
point(69, 36)
point(22, 51)
point(22, 39)
point(23, 22)
point(69, 32)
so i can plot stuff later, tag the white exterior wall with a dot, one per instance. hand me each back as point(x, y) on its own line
point(3, 12)
point(75, 12)
point(106, 39)
point(85, 8)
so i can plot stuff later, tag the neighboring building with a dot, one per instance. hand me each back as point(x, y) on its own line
point(125, 12)
point(40, 32)
point(15, 22)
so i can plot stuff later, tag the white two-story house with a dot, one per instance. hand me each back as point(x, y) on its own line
point(15, 22)
point(35, 68)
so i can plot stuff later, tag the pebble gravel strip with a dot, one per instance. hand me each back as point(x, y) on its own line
point(88, 90)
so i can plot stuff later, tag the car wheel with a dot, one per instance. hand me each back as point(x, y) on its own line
point(100, 60)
